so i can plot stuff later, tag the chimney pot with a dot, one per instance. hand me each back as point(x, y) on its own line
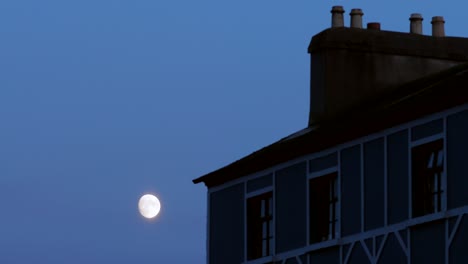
point(337, 16)
point(373, 26)
point(438, 29)
point(356, 17)
point(416, 23)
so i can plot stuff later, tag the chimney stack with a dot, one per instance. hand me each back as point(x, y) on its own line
point(416, 24)
point(337, 16)
point(438, 26)
point(356, 17)
point(351, 66)
point(373, 26)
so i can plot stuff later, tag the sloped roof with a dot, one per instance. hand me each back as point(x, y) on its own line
point(410, 101)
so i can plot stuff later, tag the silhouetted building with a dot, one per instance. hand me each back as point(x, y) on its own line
point(380, 175)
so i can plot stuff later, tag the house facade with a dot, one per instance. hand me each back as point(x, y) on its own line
point(380, 173)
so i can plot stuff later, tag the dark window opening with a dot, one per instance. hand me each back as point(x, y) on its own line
point(260, 226)
point(323, 199)
point(427, 172)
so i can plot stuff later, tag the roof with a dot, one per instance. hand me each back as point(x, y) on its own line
point(409, 101)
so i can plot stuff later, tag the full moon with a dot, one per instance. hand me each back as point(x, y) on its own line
point(149, 206)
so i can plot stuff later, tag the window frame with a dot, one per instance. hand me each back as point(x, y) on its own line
point(250, 195)
point(441, 177)
point(410, 221)
point(263, 225)
point(318, 174)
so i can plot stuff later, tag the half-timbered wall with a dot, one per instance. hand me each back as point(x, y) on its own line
point(374, 207)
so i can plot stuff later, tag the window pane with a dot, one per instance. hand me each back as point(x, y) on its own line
point(322, 199)
point(270, 224)
point(262, 212)
point(335, 189)
point(440, 158)
point(430, 164)
point(270, 206)
point(257, 225)
point(264, 248)
point(270, 246)
point(427, 164)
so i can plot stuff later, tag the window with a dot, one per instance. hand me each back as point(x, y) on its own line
point(427, 172)
point(323, 199)
point(260, 226)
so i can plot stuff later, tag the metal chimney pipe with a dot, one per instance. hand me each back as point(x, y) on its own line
point(416, 24)
point(356, 17)
point(438, 29)
point(337, 16)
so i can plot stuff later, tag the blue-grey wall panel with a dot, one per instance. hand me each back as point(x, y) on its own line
point(358, 255)
point(351, 190)
point(326, 256)
point(292, 261)
point(427, 129)
point(392, 252)
point(227, 225)
point(458, 249)
point(457, 159)
point(260, 182)
point(303, 258)
point(397, 176)
point(322, 163)
point(428, 243)
point(290, 201)
point(374, 184)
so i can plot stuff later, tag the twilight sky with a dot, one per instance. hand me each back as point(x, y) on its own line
point(102, 101)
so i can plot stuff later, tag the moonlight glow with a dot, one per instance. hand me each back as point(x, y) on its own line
point(149, 206)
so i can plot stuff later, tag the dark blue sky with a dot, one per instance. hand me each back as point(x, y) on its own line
point(102, 101)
